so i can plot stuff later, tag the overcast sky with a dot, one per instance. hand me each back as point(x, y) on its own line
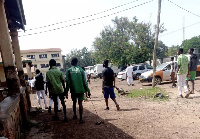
point(40, 13)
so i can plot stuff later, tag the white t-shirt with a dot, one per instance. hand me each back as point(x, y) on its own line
point(86, 75)
point(129, 71)
point(172, 67)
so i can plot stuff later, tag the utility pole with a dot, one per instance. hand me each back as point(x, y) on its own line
point(156, 43)
point(183, 28)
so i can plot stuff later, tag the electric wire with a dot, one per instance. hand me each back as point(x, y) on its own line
point(179, 29)
point(183, 8)
point(83, 16)
point(87, 20)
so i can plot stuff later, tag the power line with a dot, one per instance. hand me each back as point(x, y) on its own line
point(83, 16)
point(179, 29)
point(183, 8)
point(87, 20)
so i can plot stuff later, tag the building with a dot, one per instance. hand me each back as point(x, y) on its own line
point(40, 58)
point(27, 68)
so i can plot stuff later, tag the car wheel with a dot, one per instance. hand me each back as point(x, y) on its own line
point(137, 76)
point(158, 80)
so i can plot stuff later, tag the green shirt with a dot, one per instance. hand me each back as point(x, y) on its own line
point(182, 61)
point(55, 78)
point(76, 81)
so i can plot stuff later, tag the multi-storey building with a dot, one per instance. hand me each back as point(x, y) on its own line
point(40, 58)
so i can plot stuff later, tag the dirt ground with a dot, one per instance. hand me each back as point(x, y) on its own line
point(138, 118)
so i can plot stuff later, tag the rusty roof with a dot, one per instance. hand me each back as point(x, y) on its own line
point(41, 50)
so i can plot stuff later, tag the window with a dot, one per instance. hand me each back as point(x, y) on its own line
point(149, 67)
point(44, 65)
point(141, 67)
point(30, 56)
point(135, 68)
point(54, 55)
point(58, 65)
point(35, 65)
point(43, 56)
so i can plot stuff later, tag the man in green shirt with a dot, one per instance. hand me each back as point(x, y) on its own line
point(56, 87)
point(76, 82)
point(182, 71)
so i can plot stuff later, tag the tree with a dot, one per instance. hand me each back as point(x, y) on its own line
point(172, 51)
point(194, 42)
point(126, 42)
point(85, 57)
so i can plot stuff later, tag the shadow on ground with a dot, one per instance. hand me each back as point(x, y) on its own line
point(73, 130)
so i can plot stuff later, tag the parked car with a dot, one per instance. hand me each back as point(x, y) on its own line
point(162, 73)
point(137, 70)
point(98, 68)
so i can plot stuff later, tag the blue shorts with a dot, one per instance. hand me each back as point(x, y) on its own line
point(109, 92)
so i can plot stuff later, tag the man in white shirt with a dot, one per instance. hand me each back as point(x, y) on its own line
point(129, 75)
point(173, 69)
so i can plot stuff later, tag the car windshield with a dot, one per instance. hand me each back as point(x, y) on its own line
point(134, 68)
point(160, 67)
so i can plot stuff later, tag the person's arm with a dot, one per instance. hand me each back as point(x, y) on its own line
point(103, 84)
point(63, 84)
point(113, 80)
point(178, 64)
point(47, 83)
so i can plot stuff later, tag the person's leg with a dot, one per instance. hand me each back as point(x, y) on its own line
point(173, 79)
point(179, 85)
point(61, 96)
point(74, 100)
point(80, 103)
point(112, 96)
point(131, 81)
point(58, 103)
point(45, 101)
point(106, 96)
point(50, 104)
point(128, 81)
point(192, 81)
point(38, 98)
point(55, 107)
point(193, 76)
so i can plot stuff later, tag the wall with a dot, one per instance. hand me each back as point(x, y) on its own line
point(13, 115)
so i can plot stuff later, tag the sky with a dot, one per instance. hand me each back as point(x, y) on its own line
point(42, 16)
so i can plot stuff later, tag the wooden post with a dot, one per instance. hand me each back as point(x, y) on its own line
point(17, 53)
point(156, 42)
point(7, 54)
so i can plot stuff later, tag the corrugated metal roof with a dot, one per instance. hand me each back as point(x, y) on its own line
point(41, 50)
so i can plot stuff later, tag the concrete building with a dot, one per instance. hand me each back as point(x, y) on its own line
point(40, 58)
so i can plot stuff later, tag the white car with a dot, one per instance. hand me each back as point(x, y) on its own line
point(137, 70)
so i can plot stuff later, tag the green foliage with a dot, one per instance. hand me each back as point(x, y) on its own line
point(85, 57)
point(194, 42)
point(172, 51)
point(148, 93)
point(126, 42)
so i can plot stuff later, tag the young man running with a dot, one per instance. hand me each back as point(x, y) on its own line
point(108, 84)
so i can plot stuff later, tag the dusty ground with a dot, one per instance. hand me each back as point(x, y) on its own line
point(141, 119)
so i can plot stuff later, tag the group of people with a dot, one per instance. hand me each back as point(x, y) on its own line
point(185, 71)
point(75, 81)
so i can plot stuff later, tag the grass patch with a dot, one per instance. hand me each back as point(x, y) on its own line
point(148, 93)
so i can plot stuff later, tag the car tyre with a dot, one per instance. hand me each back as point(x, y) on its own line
point(158, 80)
point(137, 76)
